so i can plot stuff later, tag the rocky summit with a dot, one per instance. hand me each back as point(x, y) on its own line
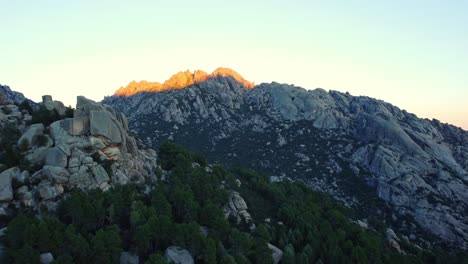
point(180, 80)
point(369, 154)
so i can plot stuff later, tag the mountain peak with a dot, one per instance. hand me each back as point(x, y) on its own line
point(180, 80)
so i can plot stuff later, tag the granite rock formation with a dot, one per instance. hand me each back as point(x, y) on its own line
point(331, 141)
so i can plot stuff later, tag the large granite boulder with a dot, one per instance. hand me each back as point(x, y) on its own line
point(77, 126)
point(237, 208)
point(56, 157)
point(100, 175)
point(276, 253)
point(178, 255)
point(6, 190)
point(54, 105)
point(59, 134)
point(31, 135)
point(129, 258)
point(56, 174)
point(37, 156)
point(102, 123)
point(46, 258)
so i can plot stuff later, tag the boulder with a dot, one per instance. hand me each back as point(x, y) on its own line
point(56, 174)
point(37, 156)
point(391, 234)
point(56, 157)
point(120, 178)
point(54, 105)
point(47, 98)
point(237, 202)
point(87, 160)
point(74, 162)
point(46, 258)
point(22, 177)
point(129, 258)
point(237, 208)
point(77, 126)
point(65, 148)
point(31, 134)
point(84, 106)
point(6, 190)
point(46, 190)
point(362, 224)
point(24, 196)
point(276, 253)
point(82, 179)
point(100, 174)
point(99, 142)
point(178, 255)
point(58, 133)
point(103, 124)
point(111, 152)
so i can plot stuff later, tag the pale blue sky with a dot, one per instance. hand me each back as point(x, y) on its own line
point(410, 53)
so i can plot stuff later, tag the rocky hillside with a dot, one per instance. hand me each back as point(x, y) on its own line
point(365, 152)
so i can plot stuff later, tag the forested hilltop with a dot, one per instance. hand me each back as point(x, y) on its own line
point(196, 212)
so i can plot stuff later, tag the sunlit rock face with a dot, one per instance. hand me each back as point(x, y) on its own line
point(180, 80)
point(365, 152)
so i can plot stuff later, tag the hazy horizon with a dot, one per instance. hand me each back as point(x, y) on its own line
point(412, 55)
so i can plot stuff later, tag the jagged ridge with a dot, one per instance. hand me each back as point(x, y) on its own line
point(180, 80)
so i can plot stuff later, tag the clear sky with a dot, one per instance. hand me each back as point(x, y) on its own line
point(413, 54)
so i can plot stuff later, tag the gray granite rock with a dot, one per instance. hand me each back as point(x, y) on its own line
point(6, 190)
point(178, 255)
point(56, 157)
point(103, 124)
point(31, 135)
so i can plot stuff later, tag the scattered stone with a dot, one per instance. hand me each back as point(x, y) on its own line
point(129, 258)
point(276, 253)
point(46, 258)
point(178, 255)
point(6, 190)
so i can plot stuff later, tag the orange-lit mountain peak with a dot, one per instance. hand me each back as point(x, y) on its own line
point(226, 72)
point(135, 87)
point(180, 80)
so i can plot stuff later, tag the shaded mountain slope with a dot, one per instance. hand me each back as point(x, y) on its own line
point(358, 149)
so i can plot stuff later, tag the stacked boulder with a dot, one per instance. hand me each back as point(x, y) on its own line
point(236, 209)
point(91, 150)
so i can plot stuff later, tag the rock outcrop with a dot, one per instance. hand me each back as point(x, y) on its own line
point(178, 255)
point(91, 150)
point(12, 96)
point(236, 208)
point(416, 166)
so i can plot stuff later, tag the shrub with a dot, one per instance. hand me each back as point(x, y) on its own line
point(6, 110)
point(42, 140)
point(24, 145)
point(45, 116)
point(26, 106)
